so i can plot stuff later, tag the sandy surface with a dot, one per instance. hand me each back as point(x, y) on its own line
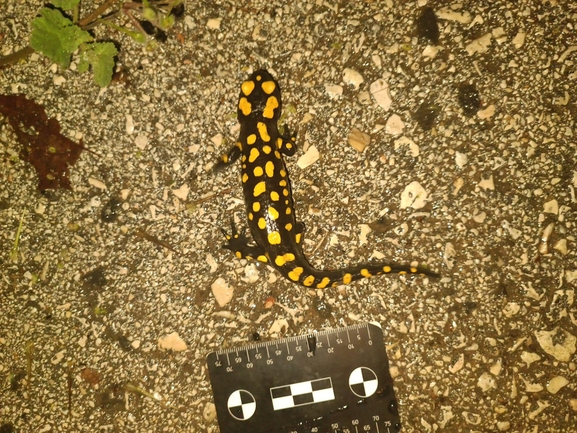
point(106, 271)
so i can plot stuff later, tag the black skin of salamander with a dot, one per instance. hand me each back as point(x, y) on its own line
point(278, 238)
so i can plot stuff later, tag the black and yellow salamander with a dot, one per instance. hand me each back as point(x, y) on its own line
point(277, 235)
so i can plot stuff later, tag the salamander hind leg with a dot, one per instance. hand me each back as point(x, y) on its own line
point(239, 244)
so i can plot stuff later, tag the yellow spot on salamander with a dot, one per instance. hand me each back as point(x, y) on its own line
point(274, 238)
point(282, 183)
point(261, 223)
point(268, 87)
point(279, 260)
point(266, 149)
point(285, 192)
point(251, 139)
point(247, 87)
point(414, 270)
point(288, 227)
point(244, 106)
point(263, 132)
point(259, 188)
point(298, 238)
point(365, 273)
point(278, 143)
point(325, 281)
point(308, 281)
point(295, 273)
point(283, 173)
point(269, 168)
point(250, 216)
point(347, 278)
point(289, 257)
point(288, 210)
point(271, 105)
point(273, 213)
point(387, 269)
point(263, 259)
point(276, 153)
point(244, 177)
point(258, 171)
point(238, 254)
point(256, 206)
point(254, 153)
point(274, 196)
point(402, 272)
point(225, 158)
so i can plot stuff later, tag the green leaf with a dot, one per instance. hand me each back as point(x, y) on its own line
point(56, 36)
point(99, 55)
point(65, 5)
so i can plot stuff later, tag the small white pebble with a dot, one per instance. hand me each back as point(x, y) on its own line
point(458, 365)
point(486, 113)
point(461, 159)
point(182, 192)
point(394, 125)
point(414, 196)
point(551, 207)
point(486, 382)
point(97, 183)
point(334, 90)
point(129, 124)
point(352, 77)
point(212, 263)
point(555, 384)
point(529, 358)
point(447, 13)
point(172, 342)
point(561, 246)
point(380, 92)
point(59, 80)
point(309, 157)
point(222, 291)
point(487, 183)
point(209, 412)
point(141, 141)
point(214, 23)
point(217, 139)
point(479, 45)
point(519, 40)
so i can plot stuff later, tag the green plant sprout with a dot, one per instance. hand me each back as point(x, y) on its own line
point(58, 37)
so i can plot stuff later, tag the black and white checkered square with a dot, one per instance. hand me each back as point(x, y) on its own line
point(301, 393)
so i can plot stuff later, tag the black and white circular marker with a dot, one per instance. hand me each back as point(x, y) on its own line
point(363, 382)
point(241, 404)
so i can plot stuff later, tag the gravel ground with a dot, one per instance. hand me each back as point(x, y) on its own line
point(480, 130)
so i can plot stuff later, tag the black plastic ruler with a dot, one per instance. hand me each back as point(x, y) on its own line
point(335, 381)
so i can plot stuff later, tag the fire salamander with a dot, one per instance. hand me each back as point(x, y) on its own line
point(269, 205)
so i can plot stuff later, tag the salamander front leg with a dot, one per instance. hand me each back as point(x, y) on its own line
point(228, 158)
point(239, 244)
point(287, 143)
